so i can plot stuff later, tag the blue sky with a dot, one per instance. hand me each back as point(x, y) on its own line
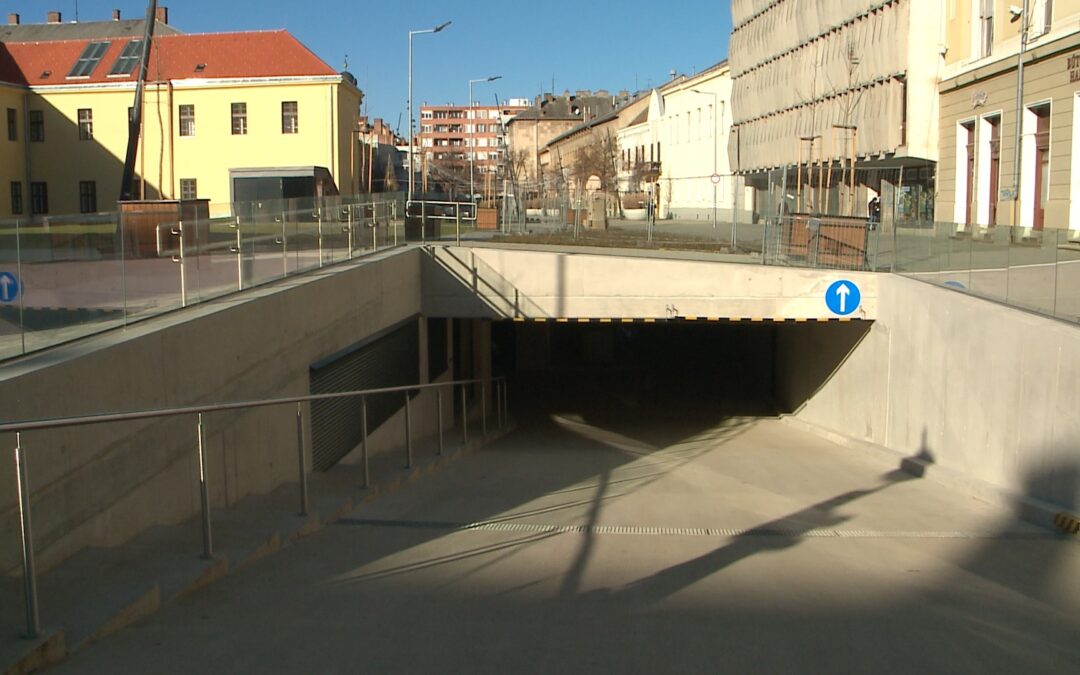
point(582, 45)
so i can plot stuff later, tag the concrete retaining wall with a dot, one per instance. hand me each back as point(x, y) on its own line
point(989, 393)
point(500, 283)
point(100, 485)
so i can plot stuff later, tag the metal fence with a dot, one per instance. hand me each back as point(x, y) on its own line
point(498, 387)
point(822, 242)
point(63, 278)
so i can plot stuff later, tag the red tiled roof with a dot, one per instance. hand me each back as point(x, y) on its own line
point(173, 57)
point(9, 70)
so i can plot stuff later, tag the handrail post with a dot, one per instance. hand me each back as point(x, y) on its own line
point(204, 489)
point(457, 218)
point(363, 440)
point(483, 410)
point(498, 403)
point(464, 417)
point(303, 463)
point(438, 417)
point(33, 619)
point(408, 432)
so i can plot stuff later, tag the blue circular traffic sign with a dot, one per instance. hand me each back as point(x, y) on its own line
point(9, 287)
point(843, 297)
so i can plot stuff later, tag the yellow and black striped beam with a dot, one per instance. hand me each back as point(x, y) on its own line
point(1067, 523)
point(680, 319)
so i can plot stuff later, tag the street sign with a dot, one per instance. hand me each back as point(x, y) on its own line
point(715, 179)
point(9, 287)
point(843, 297)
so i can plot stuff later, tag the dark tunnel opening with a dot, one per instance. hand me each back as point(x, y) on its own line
point(678, 375)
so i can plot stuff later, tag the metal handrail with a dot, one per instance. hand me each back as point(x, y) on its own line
point(33, 621)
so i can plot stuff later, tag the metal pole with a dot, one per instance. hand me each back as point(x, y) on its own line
point(320, 239)
point(303, 463)
point(438, 418)
point(33, 619)
point(464, 417)
point(204, 489)
point(408, 432)
point(183, 278)
point(348, 213)
point(1017, 156)
point(239, 257)
point(472, 137)
point(284, 248)
point(363, 440)
point(483, 410)
point(411, 168)
point(457, 211)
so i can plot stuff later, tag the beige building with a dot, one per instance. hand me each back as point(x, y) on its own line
point(585, 159)
point(550, 116)
point(1009, 133)
point(829, 96)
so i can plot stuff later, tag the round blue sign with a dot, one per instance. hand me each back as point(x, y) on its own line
point(843, 297)
point(9, 287)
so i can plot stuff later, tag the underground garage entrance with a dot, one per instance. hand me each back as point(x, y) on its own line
point(678, 375)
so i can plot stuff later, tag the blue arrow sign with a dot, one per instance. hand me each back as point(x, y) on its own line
point(9, 287)
point(843, 297)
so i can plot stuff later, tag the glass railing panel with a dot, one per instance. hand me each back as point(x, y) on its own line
point(12, 288)
point(1067, 282)
point(990, 262)
point(70, 279)
point(153, 280)
point(1033, 270)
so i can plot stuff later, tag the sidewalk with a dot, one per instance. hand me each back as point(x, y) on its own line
point(101, 590)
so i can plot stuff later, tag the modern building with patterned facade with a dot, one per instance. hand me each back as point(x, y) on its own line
point(836, 100)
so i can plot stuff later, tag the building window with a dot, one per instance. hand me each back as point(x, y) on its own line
point(128, 59)
point(187, 120)
point(86, 124)
point(37, 126)
point(986, 28)
point(89, 59)
point(87, 196)
point(1042, 12)
point(189, 189)
point(239, 119)
point(12, 125)
point(39, 198)
point(290, 117)
point(16, 198)
point(1042, 164)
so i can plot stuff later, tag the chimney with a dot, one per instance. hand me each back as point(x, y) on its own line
point(162, 15)
point(116, 15)
point(13, 19)
point(53, 17)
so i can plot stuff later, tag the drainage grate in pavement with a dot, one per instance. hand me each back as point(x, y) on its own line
point(789, 533)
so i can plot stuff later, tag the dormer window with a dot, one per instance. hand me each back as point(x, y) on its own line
point(89, 60)
point(128, 59)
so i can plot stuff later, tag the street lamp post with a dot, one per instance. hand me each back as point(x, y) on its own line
point(472, 130)
point(715, 178)
point(412, 173)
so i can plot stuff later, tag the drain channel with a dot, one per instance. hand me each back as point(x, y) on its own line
point(782, 532)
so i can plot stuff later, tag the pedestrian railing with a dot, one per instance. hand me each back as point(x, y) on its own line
point(64, 278)
point(499, 387)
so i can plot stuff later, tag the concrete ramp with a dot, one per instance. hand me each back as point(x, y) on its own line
point(500, 283)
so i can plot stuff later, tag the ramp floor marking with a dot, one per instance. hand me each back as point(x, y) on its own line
point(789, 533)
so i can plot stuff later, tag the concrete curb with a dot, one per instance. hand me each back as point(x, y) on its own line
point(34, 655)
point(1029, 509)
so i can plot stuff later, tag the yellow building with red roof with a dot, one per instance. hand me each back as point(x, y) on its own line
point(214, 105)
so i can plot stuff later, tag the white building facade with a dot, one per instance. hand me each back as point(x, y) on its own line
point(676, 155)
